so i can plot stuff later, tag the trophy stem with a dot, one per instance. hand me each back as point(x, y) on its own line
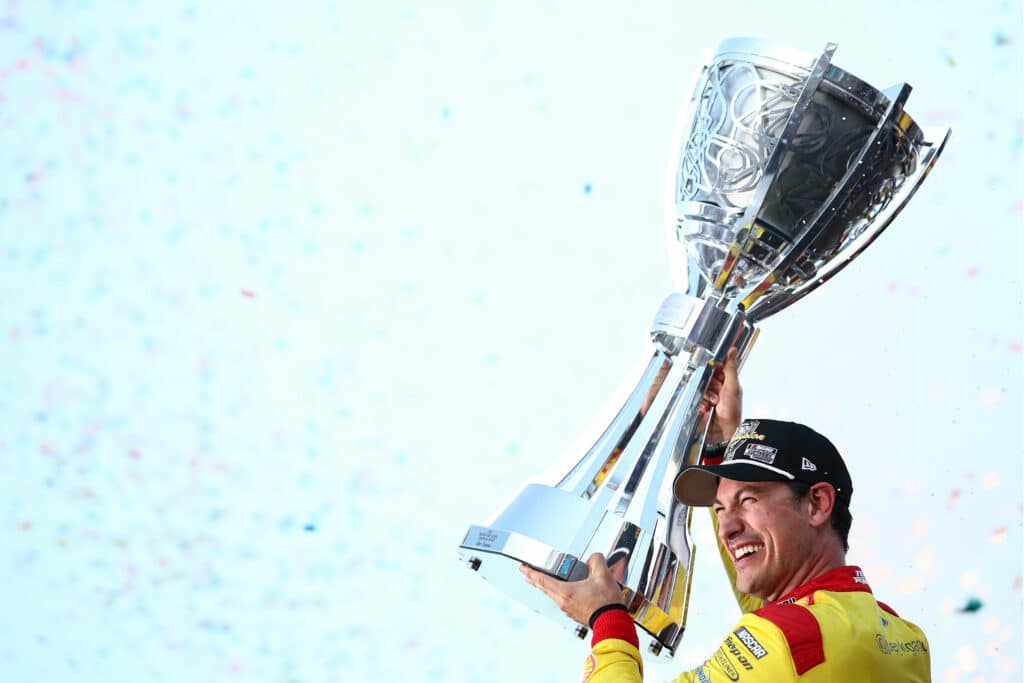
point(614, 498)
point(588, 474)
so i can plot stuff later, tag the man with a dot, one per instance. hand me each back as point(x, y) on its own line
point(779, 494)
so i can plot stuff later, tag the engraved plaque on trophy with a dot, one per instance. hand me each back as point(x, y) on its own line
point(786, 167)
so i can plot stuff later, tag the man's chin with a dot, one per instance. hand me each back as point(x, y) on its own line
point(746, 584)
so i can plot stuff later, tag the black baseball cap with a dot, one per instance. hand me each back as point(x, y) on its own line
point(768, 450)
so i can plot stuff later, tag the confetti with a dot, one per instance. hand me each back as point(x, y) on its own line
point(998, 535)
point(911, 584)
point(925, 560)
point(972, 605)
point(966, 658)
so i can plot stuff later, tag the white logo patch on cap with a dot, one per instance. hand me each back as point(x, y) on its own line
point(807, 465)
point(748, 427)
point(765, 454)
point(746, 432)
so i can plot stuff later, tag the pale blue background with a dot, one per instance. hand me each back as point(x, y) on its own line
point(292, 293)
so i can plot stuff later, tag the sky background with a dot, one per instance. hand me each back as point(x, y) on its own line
point(293, 293)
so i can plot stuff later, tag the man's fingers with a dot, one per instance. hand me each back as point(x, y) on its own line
point(731, 367)
point(541, 580)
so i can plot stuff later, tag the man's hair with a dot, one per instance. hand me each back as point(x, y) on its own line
point(841, 517)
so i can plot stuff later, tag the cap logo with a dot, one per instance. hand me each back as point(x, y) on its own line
point(807, 465)
point(748, 427)
point(745, 432)
point(760, 453)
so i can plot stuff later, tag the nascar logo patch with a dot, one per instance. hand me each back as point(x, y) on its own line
point(748, 639)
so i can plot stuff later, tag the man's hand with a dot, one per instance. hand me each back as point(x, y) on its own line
point(725, 395)
point(579, 599)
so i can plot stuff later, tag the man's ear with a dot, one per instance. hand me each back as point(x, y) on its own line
point(821, 498)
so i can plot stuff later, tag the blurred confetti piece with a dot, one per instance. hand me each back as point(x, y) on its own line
point(925, 560)
point(990, 625)
point(969, 579)
point(998, 535)
point(249, 293)
point(990, 481)
point(991, 396)
point(920, 529)
point(972, 605)
point(941, 117)
point(911, 486)
point(881, 574)
point(911, 584)
point(966, 658)
point(954, 496)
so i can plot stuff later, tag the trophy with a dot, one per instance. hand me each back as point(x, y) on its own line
point(786, 168)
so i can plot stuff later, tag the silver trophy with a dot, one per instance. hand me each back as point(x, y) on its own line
point(788, 167)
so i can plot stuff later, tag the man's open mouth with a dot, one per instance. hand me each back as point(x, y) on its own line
point(744, 551)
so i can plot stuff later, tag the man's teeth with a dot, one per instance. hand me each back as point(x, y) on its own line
point(747, 549)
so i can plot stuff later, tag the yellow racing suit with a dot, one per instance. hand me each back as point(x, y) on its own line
point(829, 629)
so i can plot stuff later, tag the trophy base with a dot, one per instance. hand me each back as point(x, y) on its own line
point(496, 555)
point(502, 571)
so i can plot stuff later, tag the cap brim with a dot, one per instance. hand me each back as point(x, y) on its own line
point(696, 485)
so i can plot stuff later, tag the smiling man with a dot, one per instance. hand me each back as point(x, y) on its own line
point(780, 495)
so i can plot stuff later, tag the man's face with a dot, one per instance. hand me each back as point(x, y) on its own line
point(768, 535)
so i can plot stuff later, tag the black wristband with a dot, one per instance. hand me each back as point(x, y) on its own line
point(607, 608)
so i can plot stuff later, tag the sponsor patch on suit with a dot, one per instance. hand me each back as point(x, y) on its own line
point(748, 639)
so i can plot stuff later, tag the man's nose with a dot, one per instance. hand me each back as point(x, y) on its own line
point(728, 525)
